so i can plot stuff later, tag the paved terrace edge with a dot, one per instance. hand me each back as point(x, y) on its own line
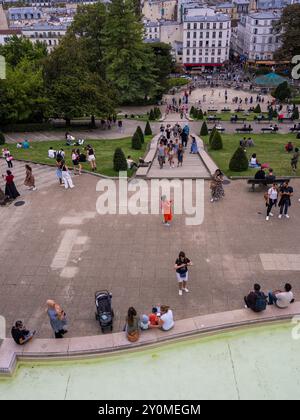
point(83, 347)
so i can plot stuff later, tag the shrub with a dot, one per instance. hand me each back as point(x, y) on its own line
point(157, 113)
point(239, 161)
point(212, 135)
point(136, 142)
point(204, 130)
point(132, 116)
point(192, 112)
point(295, 115)
point(148, 131)
point(140, 133)
point(216, 143)
point(282, 91)
point(2, 138)
point(119, 160)
point(275, 114)
point(257, 109)
point(200, 114)
point(151, 115)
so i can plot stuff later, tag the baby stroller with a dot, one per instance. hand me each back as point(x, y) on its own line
point(105, 313)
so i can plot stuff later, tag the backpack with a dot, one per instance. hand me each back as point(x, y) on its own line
point(260, 303)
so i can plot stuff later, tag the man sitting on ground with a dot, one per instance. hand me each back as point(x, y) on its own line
point(256, 300)
point(282, 299)
point(260, 174)
point(131, 163)
point(20, 334)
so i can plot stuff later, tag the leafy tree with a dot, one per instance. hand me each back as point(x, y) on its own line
point(140, 133)
point(73, 89)
point(163, 65)
point(239, 161)
point(148, 131)
point(129, 61)
point(19, 48)
point(204, 130)
point(119, 160)
point(282, 91)
point(136, 142)
point(216, 142)
point(288, 30)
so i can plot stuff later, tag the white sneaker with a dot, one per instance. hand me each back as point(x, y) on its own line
point(34, 189)
point(211, 200)
point(287, 216)
point(267, 218)
point(280, 216)
point(180, 292)
point(186, 290)
point(271, 214)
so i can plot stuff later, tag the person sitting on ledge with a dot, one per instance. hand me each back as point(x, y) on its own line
point(270, 178)
point(51, 153)
point(131, 163)
point(260, 174)
point(253, 161)
point(166, 321)
point(20, 334)
point(282, 299)
point(256, 299)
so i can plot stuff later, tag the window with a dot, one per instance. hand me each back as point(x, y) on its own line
point(256, 22)
point(214, 25)
point(212, 52)
point(212, 59)
point(194, 43)
point(201, 34)
point(220, 44)
point(255, 31)
point(207, 26)
point(188, 26)
point(188, 44)
point(155, 29)
point(220, 34)
point(254, 40)
point(206, 52)
point(194, 52)
point(200, 43)
point(194, 59)
point(188, 59)
point(213, 44)
point(219, 60)
point(214, 35)
point(150, 36)
point(201, 25)
point(187, 52)
point(195, 25)
point(207, 43)
point(221, 25)
point(188, 35)
point(270, 40)
point(206, 59)
point(194, 34)
point(207, 34)
point(219, 52)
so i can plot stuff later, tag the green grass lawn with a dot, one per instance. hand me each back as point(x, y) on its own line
point(104, 150)
point(268, 147)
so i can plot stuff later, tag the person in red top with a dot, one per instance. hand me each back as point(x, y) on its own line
point(154, 317)
point(166, 206)
point(10, 188)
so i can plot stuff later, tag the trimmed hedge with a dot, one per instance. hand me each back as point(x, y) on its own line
point(140, 133)
point(119, 160)
point(204, 129)
point(148, 131)
point(217, 143)
point(136, 142)
point(239, 161)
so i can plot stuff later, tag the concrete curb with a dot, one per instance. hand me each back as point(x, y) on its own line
point(83, 347)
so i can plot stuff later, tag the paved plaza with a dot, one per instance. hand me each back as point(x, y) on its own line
point(56, 246)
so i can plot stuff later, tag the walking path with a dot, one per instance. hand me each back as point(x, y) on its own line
point(44, 176)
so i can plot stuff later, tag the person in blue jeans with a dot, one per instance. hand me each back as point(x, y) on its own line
point(282, 299)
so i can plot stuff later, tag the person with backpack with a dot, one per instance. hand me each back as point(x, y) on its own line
point(256, 299)
point(182, 274)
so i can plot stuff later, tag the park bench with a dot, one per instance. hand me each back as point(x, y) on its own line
point(226, 110)
point(212, 110)
point(239, 110)
point(221, 129)
point(265, 182)
point(212, 119)
point(269, 129)
point(244, 130)
point(295, 130)
point(236, 120)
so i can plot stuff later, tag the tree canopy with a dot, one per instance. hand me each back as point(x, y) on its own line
point(289, 29)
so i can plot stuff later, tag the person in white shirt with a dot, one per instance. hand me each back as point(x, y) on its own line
point(282, 299)
point(271, 199)
point(166, 321)
point(131, 163)
point(51, 153)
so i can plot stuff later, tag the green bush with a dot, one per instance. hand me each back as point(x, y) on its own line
point(204, 130)
point(212, 135)
point(2, 138)
point(151, 115)
point(119, 160)
point(148, 131)
point(275, 114)
point(200, 114)
point(257, 109)
point(239, 161)
point(282, 91)
point(192, 112)
point(176, 82)
point(295, 115)
point(141, 134)
point(136, 142)
point(157, 113)
point(216, 143)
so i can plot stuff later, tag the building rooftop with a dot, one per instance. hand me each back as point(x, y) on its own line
point(46, 27)
point(225, 6)
point(264, 15)
point(218, 17)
